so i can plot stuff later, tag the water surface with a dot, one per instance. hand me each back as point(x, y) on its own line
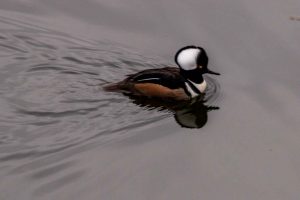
point(63, 137)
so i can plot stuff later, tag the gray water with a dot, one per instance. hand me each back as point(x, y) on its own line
point(62, 137)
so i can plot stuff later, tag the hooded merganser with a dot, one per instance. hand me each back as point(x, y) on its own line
point(170, 83)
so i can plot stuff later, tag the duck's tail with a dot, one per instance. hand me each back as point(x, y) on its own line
point(113, 87)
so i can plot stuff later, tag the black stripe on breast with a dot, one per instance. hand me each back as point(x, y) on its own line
point(193, 87)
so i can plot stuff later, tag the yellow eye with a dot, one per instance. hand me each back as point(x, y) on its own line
point(200, 66)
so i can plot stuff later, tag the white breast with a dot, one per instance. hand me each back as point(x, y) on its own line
point(201, 87)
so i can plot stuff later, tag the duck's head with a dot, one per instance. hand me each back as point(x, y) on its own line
point(193, 61)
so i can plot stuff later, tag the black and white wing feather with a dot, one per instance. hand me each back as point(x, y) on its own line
point(168, 77)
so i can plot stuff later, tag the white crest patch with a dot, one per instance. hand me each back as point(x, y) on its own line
point(187, 59)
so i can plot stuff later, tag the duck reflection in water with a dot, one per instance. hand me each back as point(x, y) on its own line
point(188, 114)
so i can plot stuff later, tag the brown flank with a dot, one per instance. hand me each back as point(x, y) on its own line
point(155, 90)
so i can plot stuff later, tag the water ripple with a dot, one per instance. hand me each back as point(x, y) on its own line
point(51, 94)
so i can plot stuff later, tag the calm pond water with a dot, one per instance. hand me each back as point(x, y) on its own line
point(62, 137)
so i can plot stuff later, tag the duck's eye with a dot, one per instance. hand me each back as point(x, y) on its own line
point(200, 66)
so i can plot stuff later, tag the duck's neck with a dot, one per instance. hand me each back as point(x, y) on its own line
point(193, 75)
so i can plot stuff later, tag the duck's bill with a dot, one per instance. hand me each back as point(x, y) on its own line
point(212, 72)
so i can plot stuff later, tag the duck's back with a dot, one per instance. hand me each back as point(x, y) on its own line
point(164, 83)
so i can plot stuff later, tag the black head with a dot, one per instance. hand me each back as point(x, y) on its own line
point(191, 59)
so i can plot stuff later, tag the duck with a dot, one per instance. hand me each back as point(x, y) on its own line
point(181, 83)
